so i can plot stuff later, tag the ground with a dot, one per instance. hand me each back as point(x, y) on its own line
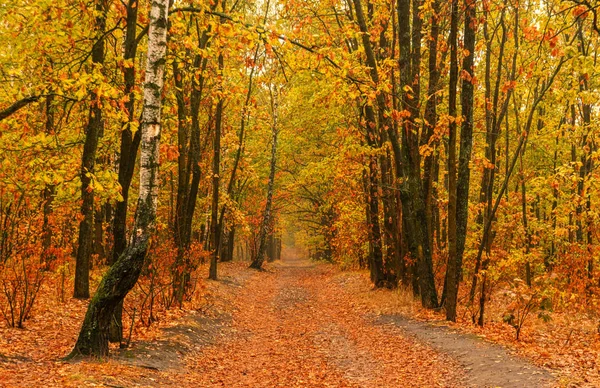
point(296, 324)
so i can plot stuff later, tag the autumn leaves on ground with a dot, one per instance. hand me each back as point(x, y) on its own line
point(296, 324)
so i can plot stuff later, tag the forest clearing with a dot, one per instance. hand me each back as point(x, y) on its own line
point(299, 193)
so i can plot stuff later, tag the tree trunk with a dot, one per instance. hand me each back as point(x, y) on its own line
point(430, 123)
point(408, 162)
point(270, 248)
point(190, 151)
point(451, 286)
point(215, 186)
point(48, 193)
point(466, 142)
point(98, 241)
point(391, 237)
point(589, 147)
point(374, 129)
point(127, 156)
point(122, 275)
point(183, 182)
point(229, 250)
point(88, 159)
point(376, 262)
point(266, 226)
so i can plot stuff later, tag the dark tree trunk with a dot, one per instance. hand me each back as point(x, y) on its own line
point(190, 151)
point(271, 253)
point(214, 221)
point(183, 176)
point(14, 108)
point(93, 131)
point(266, 224)
point(588, 146)
point(127, 156)
point(48, 193)
point(365, 183)
point(389, 220)
point(430, 123)
point(229, 248)
point(183, 182)
point(408, 158)
point(466, 146)
point(376, 263)
point(98, 247)
point(215, 235)
point(374, 130)
point(527, 243)
point(453, 269)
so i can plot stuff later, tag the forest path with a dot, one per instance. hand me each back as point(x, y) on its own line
point(297, 326)
point(294, 327)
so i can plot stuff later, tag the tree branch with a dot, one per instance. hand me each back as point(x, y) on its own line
point(261, 30)
point(18, 105)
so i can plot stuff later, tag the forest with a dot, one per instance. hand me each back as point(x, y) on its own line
point(394, 160)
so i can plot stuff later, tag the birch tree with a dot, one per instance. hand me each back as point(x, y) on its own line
point(122, 275)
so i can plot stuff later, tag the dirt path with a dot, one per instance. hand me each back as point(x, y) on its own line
point(486, 364)
point(294, 329)
point(295, 325)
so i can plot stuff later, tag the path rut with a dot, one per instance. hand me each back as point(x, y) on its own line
point(486, 364)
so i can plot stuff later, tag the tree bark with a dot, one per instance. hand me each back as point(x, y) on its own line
point(409, 160)
point(266, 226)
point(88, 160)
point(48, 193)
point(129, 142)
point(466, 141)
point(190, 151)
point(127, 156)
point(122, 275)
point(588, 146)
point(13, 108)
point(374, 131)
point(215, 186)
point(452, 271)
point(431, 122)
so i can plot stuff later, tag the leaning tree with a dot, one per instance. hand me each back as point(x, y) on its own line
point(124, 273)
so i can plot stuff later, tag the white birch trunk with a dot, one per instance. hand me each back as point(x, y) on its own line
point(122, 275)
